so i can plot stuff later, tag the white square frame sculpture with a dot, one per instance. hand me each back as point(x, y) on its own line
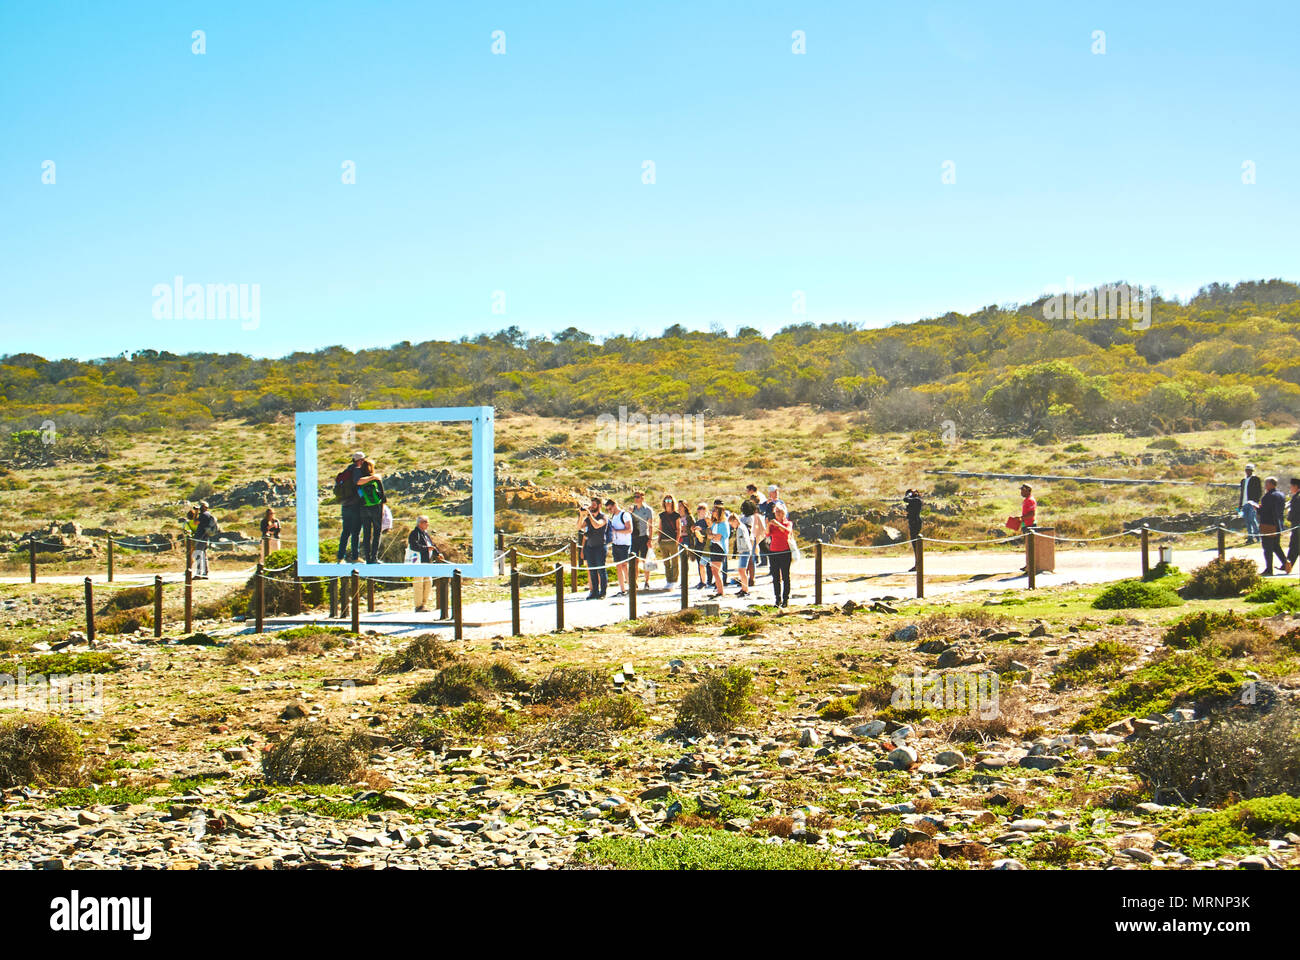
point(483, 495)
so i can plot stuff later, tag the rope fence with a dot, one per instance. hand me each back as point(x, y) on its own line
point(345, 593)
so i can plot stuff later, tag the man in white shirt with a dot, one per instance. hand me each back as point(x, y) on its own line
point(621, 523)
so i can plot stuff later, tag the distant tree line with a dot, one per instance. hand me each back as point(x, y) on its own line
point(1230, 354)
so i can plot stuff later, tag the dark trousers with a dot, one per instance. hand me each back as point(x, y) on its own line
point(913, 533)
point(351, 530)
point(371, 518)
point(1293, 548)
point(1272, 546)
point(779, 561)
point(597, 575)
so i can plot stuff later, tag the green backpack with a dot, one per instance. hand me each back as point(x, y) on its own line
point(369, 494)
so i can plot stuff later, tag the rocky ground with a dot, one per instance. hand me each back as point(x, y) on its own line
point(825, 771)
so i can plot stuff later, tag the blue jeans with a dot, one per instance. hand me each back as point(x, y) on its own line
point(598, 578)
point(1251, 514)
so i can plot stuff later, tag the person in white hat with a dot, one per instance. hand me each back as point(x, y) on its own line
point(1252, 491)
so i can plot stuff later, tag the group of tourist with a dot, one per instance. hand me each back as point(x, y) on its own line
point(364, 508)
point(1267, 512)
point(758, 534)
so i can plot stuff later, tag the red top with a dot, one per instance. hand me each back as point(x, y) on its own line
point(779, 537)
point(1027, 511)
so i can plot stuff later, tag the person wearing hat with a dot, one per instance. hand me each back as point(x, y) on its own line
point(1250, 495)
point(345, 488)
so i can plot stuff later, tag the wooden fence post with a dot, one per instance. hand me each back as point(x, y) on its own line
point(354, 588)
point(343, 597)
point(189, 552)
point(456, 612)
point(157, 606)
point(31, 546)
point(1223, 547)
point(919, 546)
point(501, 548)
point(573, 566)
point(333, 587)
point(370, 595)
point(559, 596)
point(514, 602)
point(189, 601)
point(513, 556)
point(110, 559)
point(90, 611)
point(631, 587)
point(1030, 562)
point(442, 598)
point(259, 598)
point(1146, 556)
point(817, 573)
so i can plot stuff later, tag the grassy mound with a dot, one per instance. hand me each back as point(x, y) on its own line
point(39, 751)
point(1221, 578)
point(1184, 677)
point(1136, 594)
point(1242, 825)
point(718, 703)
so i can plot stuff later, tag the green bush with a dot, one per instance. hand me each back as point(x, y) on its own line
point(569, 684)
point(425, 652)
point(1221, 578)
point(716, 704)
point(467, 681)
point(1207, 836)
point(1183, 677)
point(1136, 594)
point(1097, 663)
point(1195, 628)
point(1279, 597)
point(703, 850)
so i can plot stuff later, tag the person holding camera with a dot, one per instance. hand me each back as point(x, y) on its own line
point(592, 528)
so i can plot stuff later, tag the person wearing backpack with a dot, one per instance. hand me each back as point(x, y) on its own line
point(345, 489)
point(205, 531)
point(370, 492)
point(621, 525)
point(593, 528)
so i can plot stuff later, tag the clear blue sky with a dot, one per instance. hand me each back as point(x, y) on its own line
point(522, 173)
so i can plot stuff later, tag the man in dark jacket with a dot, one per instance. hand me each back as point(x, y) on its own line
point(345, 487)
point(912, 504)
point(1272, 518)
point(205, 532)
point(422, 544)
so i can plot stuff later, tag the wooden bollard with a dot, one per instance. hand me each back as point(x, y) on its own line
point(31, 547)
point(90, 610)
point(189, 601)
point(1223, 546)
point(514, 603)
point(344, 591)
point(189, 552)
point(559, 596)
point(442, 598)
point(919, 546)
point(1030, 562)
point(259, 600)
point(157, 606)
point(354, 588)
point(501, 549)
point(817, 573)
point(1146, 552)
point(631, 587)
point(573, 566)
point(266, 541)
point(459, 630)
point(686, 578)
point(110, 559)
point(333, 588)
point(513, 556)
point(370, 595)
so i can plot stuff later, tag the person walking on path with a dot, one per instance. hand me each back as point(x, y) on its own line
point(345, 488)
point(205, 532)
point(270, 531)
point(757, 528)
point(760, 543)
point(370, 492)
point(643, 518)
point(699, 533)
point(591, 528)
point(669, 543)
point(1293, 521)
point(912, 504)
point(422, 544)
point(779, 532)
point(1272, 517)
point(1250, 496)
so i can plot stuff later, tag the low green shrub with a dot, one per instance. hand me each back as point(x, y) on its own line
point(1221, 578)
point(1136, 594)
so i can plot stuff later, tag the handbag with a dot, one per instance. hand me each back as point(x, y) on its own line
point(412, 556)
point(651, 564)
point(1267, 528)
point(795, 553)
point(385, 519)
